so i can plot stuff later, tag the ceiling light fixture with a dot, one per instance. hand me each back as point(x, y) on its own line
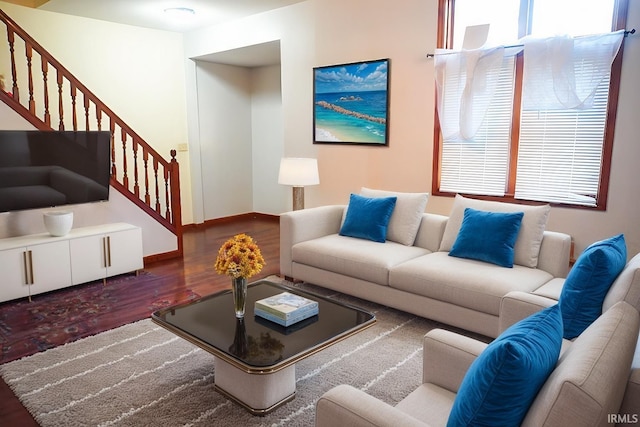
point(180, 12)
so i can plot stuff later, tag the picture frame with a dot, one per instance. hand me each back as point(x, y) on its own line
point(351, 103)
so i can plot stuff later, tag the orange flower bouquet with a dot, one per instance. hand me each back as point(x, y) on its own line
point(239, 256)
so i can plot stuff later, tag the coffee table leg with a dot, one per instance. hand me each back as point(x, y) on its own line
point(258, 393)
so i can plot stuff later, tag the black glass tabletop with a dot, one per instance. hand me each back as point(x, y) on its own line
point(254, 343)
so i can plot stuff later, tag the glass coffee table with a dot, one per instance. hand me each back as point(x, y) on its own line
point(255, 358)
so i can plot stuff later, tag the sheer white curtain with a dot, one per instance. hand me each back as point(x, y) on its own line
point(563, 72)
point(466, 82)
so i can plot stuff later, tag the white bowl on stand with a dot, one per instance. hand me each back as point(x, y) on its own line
point(58, 223)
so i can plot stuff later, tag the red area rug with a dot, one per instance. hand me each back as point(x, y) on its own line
point(66, 315)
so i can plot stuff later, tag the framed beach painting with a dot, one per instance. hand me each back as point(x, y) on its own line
point(351, 103)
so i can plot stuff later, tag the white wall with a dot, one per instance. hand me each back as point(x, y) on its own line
point(155, 238)
point(267, 139)
point(224, 117)
point(239, 116)
point(293, 26)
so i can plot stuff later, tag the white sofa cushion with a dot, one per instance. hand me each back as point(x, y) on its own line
point(468, 283)
point(429, 403)
point(527, 245)
point(359, 258)
point(551, 289)
point(406, 216)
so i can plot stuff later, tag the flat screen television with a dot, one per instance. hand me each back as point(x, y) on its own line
point(40, 169)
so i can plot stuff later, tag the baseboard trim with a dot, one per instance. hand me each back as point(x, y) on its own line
point(215, 221)
point(150, 259)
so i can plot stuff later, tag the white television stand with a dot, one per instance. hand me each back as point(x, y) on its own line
point(40, 263)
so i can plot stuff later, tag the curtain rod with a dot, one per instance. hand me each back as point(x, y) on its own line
point(431, 55)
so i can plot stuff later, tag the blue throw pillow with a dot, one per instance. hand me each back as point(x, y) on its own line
point(368, 218)
point(488, 236)
point(503, 381)
point(588, 282)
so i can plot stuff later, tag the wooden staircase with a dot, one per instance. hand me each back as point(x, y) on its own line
point(47, 95)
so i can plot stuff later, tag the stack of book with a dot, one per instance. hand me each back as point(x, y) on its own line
point(286, 308)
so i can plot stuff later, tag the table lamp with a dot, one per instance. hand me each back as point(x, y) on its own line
point(298, 172)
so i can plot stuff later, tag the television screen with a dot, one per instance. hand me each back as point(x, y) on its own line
point(41, 169)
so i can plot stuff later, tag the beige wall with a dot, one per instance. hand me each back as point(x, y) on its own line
point(325, 32)
point(404, 32)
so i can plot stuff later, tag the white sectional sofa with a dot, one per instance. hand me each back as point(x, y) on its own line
point(585, 388)
point(416, 273)
point(518, 305)
point(412, 270)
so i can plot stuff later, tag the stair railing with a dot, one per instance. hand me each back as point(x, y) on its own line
point(44, 92)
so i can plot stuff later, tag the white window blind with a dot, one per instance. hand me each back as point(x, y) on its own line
point(480, 165)
point(560, 149)
point(560, 154)
point(564, 112)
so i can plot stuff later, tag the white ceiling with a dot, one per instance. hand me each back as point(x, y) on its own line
point(258, 55)
point(150, 14)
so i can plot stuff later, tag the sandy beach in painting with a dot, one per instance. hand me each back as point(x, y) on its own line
point(326, 136)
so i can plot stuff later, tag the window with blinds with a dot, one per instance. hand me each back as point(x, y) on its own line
point(560, 153)
point(552, 156)
point(480, 166)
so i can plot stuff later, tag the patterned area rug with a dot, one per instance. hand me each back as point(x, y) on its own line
point(141, 374)
point(66, 315)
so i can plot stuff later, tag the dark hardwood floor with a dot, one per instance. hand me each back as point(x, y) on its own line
point(194, 272)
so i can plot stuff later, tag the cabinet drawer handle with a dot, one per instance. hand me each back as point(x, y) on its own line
point(104, 252)
point(28, 267)
point(25, 262)
point(106, 246)
point(108, 251)
point(33, 279)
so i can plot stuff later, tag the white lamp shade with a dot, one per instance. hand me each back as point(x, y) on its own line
point(298, 172)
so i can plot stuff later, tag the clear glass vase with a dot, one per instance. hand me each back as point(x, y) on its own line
point(239, 289)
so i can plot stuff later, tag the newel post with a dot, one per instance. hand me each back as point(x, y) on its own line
point(176, 206)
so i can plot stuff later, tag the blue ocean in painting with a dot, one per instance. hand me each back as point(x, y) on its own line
point(356, 127)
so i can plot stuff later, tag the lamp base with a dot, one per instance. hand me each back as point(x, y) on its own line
point(298, 198)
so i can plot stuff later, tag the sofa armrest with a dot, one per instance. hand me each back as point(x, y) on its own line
point(345, 405)
point(517, 305)
point(306, 224)
point(555, 251)
point(447, 357)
